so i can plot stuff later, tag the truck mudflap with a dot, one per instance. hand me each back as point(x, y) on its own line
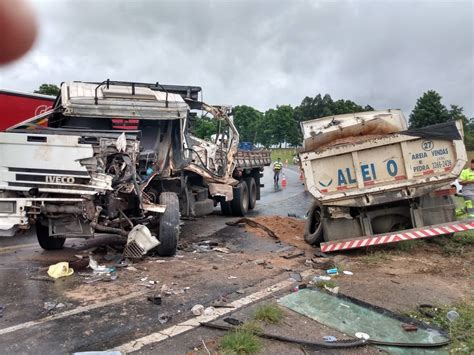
point(394, 237)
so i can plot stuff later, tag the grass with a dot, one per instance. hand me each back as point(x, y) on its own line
point(461, 331)
point(269, 313)
point(375, 257)
point(240, 342)
point(284, 154)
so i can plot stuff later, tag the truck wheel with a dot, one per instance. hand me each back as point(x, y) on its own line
point(313, 229)
point(240, 203)
point(169, 225)
point(252, 186)
point(45, 241)
point(226, 208)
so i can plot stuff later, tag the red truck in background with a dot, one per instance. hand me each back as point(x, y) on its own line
point(17, 106)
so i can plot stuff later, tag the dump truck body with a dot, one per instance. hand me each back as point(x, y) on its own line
point(382, 179)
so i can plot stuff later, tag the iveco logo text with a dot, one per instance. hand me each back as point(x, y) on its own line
point(60, 179)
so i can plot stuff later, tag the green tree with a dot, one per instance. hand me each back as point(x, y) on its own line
point(429, 110)
point(48, 89)
point(204, 127)
point(280, 126)
point(249, 123)
point(322, 106)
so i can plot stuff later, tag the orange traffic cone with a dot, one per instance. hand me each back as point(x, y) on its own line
point(301, 175)
point(283, 181)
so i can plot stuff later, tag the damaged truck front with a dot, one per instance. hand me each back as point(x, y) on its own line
point(115, 158)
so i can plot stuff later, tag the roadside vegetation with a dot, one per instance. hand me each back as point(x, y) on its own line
point(241, 340)
point(461, 330)
point(269, 313)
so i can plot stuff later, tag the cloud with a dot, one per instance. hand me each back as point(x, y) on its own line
point(260, 53)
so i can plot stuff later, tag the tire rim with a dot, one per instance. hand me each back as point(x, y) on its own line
point(316, 223)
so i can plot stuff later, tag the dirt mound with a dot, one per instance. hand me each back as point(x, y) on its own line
point(288, 230)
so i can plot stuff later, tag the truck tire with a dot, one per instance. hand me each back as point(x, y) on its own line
point(313, 229)
point(252, 186)
point(169, 225)
point(226, 208)
point(240, 203)
point(45, 241)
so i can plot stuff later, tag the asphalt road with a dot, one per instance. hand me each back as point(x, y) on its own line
point(104, 315)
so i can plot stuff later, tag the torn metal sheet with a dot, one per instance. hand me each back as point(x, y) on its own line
point(223, 190)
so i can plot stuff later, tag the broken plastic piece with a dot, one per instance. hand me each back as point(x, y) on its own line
point(60, 269)
point(99, 269)
point(139, 242)
point(329, 338)
point(198, 309)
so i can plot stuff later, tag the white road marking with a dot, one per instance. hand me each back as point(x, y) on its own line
point(71, 312)
point(170, 332)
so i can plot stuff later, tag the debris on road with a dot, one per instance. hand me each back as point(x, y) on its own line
point(222, 250)
point(164, 318)
point(233, 321)
point(60, 269)
point(296, 276)
point(346, 272)
point(155, 300)
point(99, 269)
point(332, 271)
point(293, 255)
point(409, 327)
point(197, 310)
point(139, 242)
point(329, 338)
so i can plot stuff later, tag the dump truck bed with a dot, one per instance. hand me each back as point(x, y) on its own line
point(379, 168)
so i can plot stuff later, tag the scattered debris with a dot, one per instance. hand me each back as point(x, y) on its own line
point(232, 277)
point(209, 311)
point(99, 269)
point(60, 269)
point(321, 278)
point(155, 300)
point(222, 250)
point(409, 327)
point(332, 271)
point(240, 291)
point(296, 276)
point(334, 290)
point(131, 268)
point(362, 335)
point(452, 315)
point(260, 262)
point(197, 310)
point(139, 242)
point(51, 306)
point(345, 272)
point(233, 321)
point(164, 318)
point(329, 338)
point(41, 278)
point(320, 254)
point(293, 255)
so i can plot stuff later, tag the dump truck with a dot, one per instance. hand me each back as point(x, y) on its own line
point(119, 158)
point(375, 182)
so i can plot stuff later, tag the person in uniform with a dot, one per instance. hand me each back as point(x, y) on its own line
point(466, 179)
point(277, 166)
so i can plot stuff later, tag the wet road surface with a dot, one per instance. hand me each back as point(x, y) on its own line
point(104, 315)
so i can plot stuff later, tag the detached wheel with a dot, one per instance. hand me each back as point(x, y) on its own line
point(226, 208)
point(169, 225)
point(313, 229)
point(240, 203)
point(252, 186)
point(45, 241)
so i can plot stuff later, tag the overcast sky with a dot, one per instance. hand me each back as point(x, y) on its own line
point(260, 53)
